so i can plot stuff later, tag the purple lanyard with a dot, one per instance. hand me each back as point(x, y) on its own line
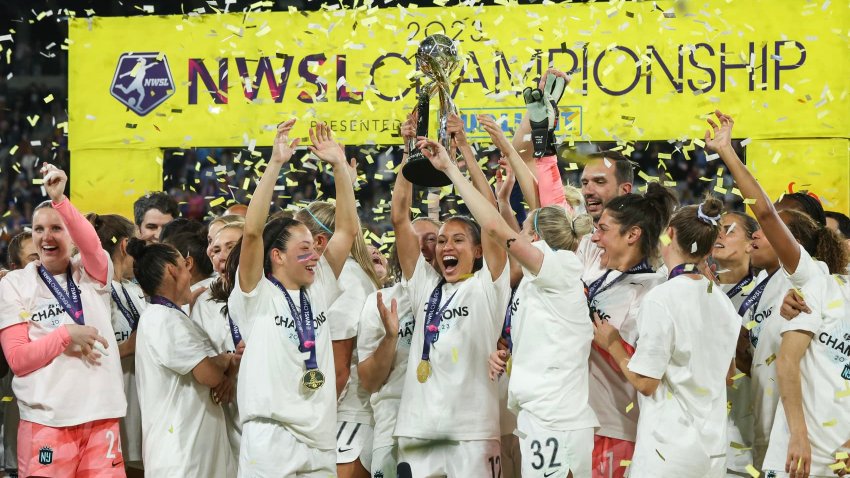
point(433, 317)
point(752, 300)
point(506, 328)
point(70, 301)
point(740, 286)
point(686, 268)
point(595, 288)
point(303, 323)
point(132, 314)
point(160, 300)
point(234, 331)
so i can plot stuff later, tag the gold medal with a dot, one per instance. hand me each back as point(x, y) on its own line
point(313, 379)
point(423, 371)
point(509, 365)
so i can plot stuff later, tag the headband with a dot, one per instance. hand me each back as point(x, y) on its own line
point(318, 221)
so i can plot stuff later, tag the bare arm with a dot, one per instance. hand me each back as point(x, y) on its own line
point(777, 233)
point(791, 351)
point(211, 370)
point(375, 370)
point(524, 175)
point(405, 237)
point(251, 258)
point(347, 224)
point(479, 180)
point(342, 350)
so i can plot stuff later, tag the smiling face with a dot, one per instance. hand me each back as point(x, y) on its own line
point(456, 251)
point(51, 240)
point(613, 243)
point(28, 253)
point(732, 245)
point(379, 262)
point(297, 264)
point(221, 246)
point(598, 186)
point(427, 233)
point(152, 223)
point(213, 231)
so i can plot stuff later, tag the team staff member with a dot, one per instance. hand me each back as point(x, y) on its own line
point(286, 393)
point(57, 333)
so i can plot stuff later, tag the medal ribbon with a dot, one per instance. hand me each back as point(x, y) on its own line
point(160, 300)
point(132, 314)
point(686, 268)
point(740, 285)
point(752, 300)
point(506, 328)
point(303, 323)
point(70, 301)
point(595, 288)
point(234, 331)
point(433, 317)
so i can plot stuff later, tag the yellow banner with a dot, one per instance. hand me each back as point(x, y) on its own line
point(643, 70)
point(821, 167)
point(107, 181)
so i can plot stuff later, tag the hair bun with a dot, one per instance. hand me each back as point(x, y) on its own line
point(137, 248)
point(712, 207)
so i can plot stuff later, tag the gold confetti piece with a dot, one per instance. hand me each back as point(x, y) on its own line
point(739, 376)
point(454, 355)
point(24, 314)
point(215, 202)
point(48, 98)
point(750, 325)
point(32, 120)
point(7, 399)
point(625, 463)
point(630, 406)
point(835, 304)
point(171, 429)
point(842, 394)
point(841, 455)
point(752, 471)
point(770, 359)
point(830, 423)
point(836, 466)
point(665, 239)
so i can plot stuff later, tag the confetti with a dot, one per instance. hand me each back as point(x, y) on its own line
point(752, 471)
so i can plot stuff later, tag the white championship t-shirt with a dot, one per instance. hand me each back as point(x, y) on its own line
point(344, 317)
point(552, 317)
point(386, 400)
point(52, 395)
point(208, 316)
point(183, 430)
point(824, 369)
point(612, 397)
point(270, 375)
point(591, 257)
point(687, 340)
point(131, 431)
point(472, 317)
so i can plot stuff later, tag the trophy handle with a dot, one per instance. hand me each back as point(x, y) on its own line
point(447, 107)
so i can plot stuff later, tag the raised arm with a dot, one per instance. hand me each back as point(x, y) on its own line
point(81, 231)
point(497, 236)
point(347, 224)
point(783, 242)
point(251, 252)
point(479, 180)
point(405, 237)
point(524, 175)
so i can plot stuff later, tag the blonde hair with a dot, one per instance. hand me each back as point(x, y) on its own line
point(320, 218)
point(560, 228)
point(228, 220)
point(573, 196)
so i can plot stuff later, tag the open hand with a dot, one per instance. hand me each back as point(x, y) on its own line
point(604, 334)
point(282, 150)
point(324, 147)
point(722, 133)
point(793, 305)
point(389, 317)
point(435, 152)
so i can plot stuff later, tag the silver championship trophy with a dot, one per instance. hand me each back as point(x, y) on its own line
point(437, 58)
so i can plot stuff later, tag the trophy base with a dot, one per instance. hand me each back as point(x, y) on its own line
point(422, 173)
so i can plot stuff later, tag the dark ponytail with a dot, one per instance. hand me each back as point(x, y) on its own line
point(650, 212)
point(697, 227)
point(809, 204)
point(276, 234)
point(194, 245)
point(819, 241)
point(150, 262)
point(111, 230)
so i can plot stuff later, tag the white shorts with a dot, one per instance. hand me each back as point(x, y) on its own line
point(263, 441)
point(548, 453)
point(353, 441)
point(384, 462)
point(511, 458)
point(453, 459)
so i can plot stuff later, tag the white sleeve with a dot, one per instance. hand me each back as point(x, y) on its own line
point(244, 307)
point(371, 328)
point(13, 309)
point(810, 322)
point(421, 283)
point(807, 270)
point(184, 347)
point(655, 342)
point(558, 269)
point(497, 292)
point(327, 282)
point(344, 313)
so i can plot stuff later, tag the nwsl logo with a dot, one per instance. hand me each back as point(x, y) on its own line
point(142, 81)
